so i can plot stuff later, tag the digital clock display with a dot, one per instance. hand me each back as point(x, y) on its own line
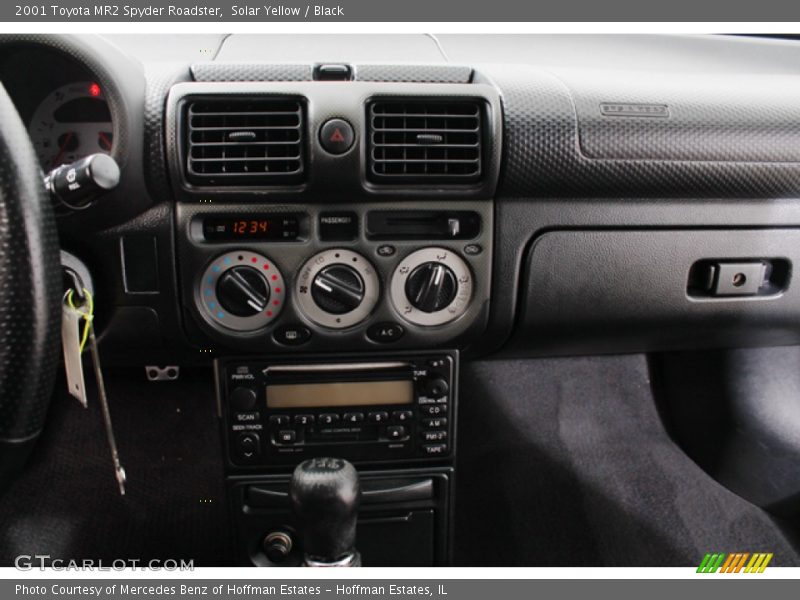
point(252, 227)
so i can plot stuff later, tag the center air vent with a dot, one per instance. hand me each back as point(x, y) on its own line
point(425, 141)
point(244, 141)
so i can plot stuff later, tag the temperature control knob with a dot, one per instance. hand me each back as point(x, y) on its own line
point(337, 288)
point(242, 291)
point(431, 287)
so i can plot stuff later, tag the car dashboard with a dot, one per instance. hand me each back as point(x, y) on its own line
point(338, 225)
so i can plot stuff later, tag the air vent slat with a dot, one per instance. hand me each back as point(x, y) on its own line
point(425, 141)
point(245, 141)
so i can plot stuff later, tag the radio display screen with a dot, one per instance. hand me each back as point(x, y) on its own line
point(348, 393)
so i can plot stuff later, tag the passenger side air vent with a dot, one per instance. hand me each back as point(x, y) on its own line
point(255, 141)
point(425, 141)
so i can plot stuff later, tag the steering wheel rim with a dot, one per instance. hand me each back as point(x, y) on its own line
point(30, 289)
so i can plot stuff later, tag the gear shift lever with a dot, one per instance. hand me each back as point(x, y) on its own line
point(324, 493)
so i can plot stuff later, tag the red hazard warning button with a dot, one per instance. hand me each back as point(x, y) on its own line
point(336, 136)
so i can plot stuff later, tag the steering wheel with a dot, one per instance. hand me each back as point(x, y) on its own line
point(30, 290)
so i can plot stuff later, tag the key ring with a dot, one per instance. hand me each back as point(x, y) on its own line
point(87, 314)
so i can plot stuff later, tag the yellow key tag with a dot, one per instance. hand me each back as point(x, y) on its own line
point(71, 344)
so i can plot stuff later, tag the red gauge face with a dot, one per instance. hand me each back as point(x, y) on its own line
point(71, 122)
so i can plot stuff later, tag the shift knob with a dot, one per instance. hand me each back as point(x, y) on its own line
point(324, 493)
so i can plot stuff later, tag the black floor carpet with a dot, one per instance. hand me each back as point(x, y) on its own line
point(565, 462)
point(66, 503)
point(561, 462)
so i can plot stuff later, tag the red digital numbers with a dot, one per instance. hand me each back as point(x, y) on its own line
point(252, 227)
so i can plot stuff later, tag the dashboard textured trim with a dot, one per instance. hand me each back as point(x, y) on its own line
point(543, 157)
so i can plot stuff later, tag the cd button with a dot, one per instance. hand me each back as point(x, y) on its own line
point(433, 409)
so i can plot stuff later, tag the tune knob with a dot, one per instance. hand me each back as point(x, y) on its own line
point(243, 291)
point(431, 287)
point(338, 289)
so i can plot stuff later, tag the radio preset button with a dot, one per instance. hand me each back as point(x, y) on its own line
point(328, 418)
point(433, 449)
point(279, 420)
point(304, 419)
point(395, 432)
point(438, 423)
point(433, 409)
point(402, 415)
point(434, 436)
point(242, 399)
point(354, 417)
point(287, 436)
point(378, 417)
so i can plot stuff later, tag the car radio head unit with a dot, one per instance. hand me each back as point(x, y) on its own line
point(365, 411)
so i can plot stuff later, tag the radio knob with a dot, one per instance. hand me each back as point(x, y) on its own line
point(431, 287)
point(243, 291)
point(437, 387)
point(338, 289)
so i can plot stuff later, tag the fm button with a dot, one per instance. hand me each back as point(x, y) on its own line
point(336, 136)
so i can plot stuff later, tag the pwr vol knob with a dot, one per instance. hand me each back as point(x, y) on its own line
point(241, 291)
point(337, 288)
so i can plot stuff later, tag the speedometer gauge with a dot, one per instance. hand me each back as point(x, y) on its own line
point(71, 122)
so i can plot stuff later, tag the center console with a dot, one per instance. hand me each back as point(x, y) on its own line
point(334, 244)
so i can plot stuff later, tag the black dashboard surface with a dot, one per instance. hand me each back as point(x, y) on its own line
point(634, 132)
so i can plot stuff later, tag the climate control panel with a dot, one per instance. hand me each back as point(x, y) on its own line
point(337, 288)
point(241, 291)
point(350, 287)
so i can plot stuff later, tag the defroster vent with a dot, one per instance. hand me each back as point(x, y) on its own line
point(255, 141)
point(425, 141)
